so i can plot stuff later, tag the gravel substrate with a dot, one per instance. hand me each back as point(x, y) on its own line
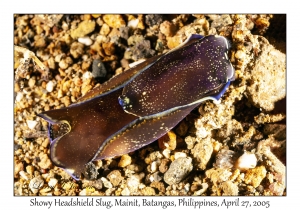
point(236, 147)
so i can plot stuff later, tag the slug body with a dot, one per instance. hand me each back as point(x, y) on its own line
point(140, 105)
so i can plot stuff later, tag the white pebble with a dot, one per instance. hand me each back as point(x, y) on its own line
point(85, 57)
point(19, 96)
point(87, 75)
point(166, 153)
point(133, 23)
point(24, 175)
point(50, 86)
point(246, 161)
point(106, 183)
point(52, 182)
point(35, 184)
point(85, 40)
point(31, 124)
point(154, 166)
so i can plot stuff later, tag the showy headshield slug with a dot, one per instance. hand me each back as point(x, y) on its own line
point(140, 105)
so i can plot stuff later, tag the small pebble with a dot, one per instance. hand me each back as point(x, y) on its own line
point(124, 32)
point(133, 182)
point(164, 165)
point(115, 177)
point(168, 28)
point(45, 162)
point(69, 185)
point(154, 19)
point(85, 40)
point(84, 28)
point(85, 88)
point(134, 39)
point(99, 70)
point(153, 166)
point(109, 48)
point(114, 21)
point(91, 171)
point(24, 175)
point(30, 169)
point(202, 152)
point(141, 22)
point(229, 188)
point(255, 176)
point(36, 183)
point(106, 183)
point(246, 161)
point(218, 175)
point(178, 170)
point(76, 49)
point(133, 23)
point(97, 184)
point(85, 65)
point(125, 161)
point(104, 29)
point(174, 41)
point(19, 96)
point(50, 86)
point(52, 182)
point(148, 191)
point(224, 159)
point(31, 124)
point(31, 82)
point(240, 55)
point(187, 187)
point(65, 63)
point(155, 177)
point(87, 75)
point(166, 153)
point(45, 142)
